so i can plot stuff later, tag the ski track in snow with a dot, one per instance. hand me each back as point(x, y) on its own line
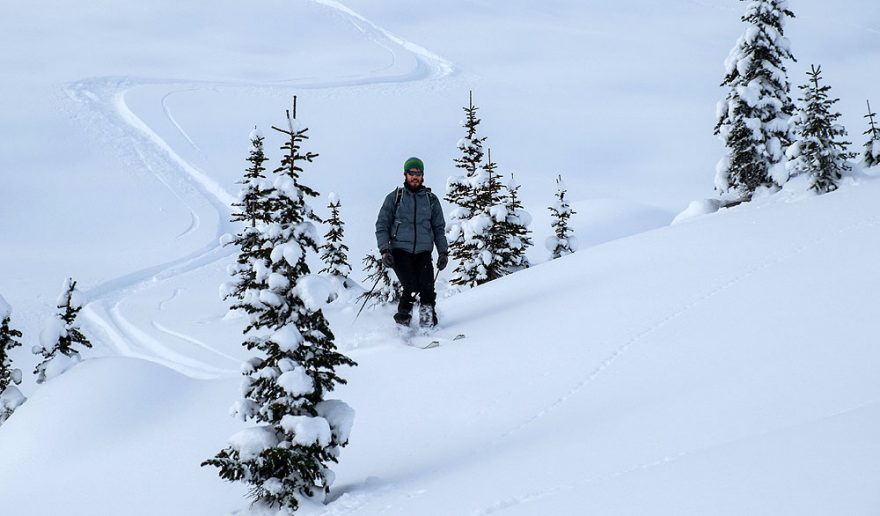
point(174, 295)
point(193, 226)
point(234, 368)
point(170, 117)
point(102, 99)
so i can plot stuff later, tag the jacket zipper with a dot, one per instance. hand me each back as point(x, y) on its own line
point(415, 215)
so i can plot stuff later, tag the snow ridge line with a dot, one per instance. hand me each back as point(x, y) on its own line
point(626, 346)
point(104, 99)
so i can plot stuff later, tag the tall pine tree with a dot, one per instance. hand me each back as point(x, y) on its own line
point(285, 457)
point(62, 337)
point(819, 150)
point(753, 118)
point(563, 241)
point(335, 252)
point(10, 397)
point(871, 154)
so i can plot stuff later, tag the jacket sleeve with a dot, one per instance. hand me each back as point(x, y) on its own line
point(383, 223)
point(438, 224)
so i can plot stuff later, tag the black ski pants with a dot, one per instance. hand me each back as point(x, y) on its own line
point(415, 272)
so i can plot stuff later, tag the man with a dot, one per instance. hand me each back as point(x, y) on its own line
point(409, 225)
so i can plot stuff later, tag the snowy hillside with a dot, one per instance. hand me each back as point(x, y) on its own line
point(725, 364)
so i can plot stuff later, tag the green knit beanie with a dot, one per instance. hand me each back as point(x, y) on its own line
point(412, 163)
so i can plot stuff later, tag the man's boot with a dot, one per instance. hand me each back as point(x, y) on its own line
point(427, 316)
point(402, 318)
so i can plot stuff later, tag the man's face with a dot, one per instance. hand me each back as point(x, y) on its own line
point(414, 178)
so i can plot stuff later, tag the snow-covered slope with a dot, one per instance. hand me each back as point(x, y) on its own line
point(723, 365)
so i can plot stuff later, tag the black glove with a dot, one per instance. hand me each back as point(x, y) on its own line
point(387, 259)
point(442, 261)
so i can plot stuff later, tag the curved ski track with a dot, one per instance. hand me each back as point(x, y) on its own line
point(103, 100)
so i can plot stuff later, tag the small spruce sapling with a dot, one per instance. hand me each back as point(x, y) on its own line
point(61, 338)
point(563, 241)
point(871, 154)
point(819, 151)
point(10, 397)
point(493, 238)
point(516, 229)
point(387, 290)
point(335, 252)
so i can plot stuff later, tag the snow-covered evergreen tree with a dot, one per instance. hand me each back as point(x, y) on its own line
point(335, 252)
point(871, 154)
point(253, 197)
point(468, 221)
point(563, 241)
point(491, 237)
point(387, 288)
point(478, 225)
point(253, 210)
point(487, 227)
point(285, 457)
point(515, 230)
point(10, 397)
point(819, 150)
point(460, 190)
point(753, 118)
point(61, 338)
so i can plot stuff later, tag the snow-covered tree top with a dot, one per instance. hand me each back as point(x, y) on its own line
point(332, 198)
point(769, 9)
point(767, 19)
point(255, 134)
point(74, 297)
point(293, 125)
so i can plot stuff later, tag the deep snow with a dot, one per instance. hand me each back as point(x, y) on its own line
point(721, 365)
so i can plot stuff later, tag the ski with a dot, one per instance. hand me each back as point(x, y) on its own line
point(432, 341)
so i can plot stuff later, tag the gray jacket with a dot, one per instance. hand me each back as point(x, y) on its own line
point(415, 225)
